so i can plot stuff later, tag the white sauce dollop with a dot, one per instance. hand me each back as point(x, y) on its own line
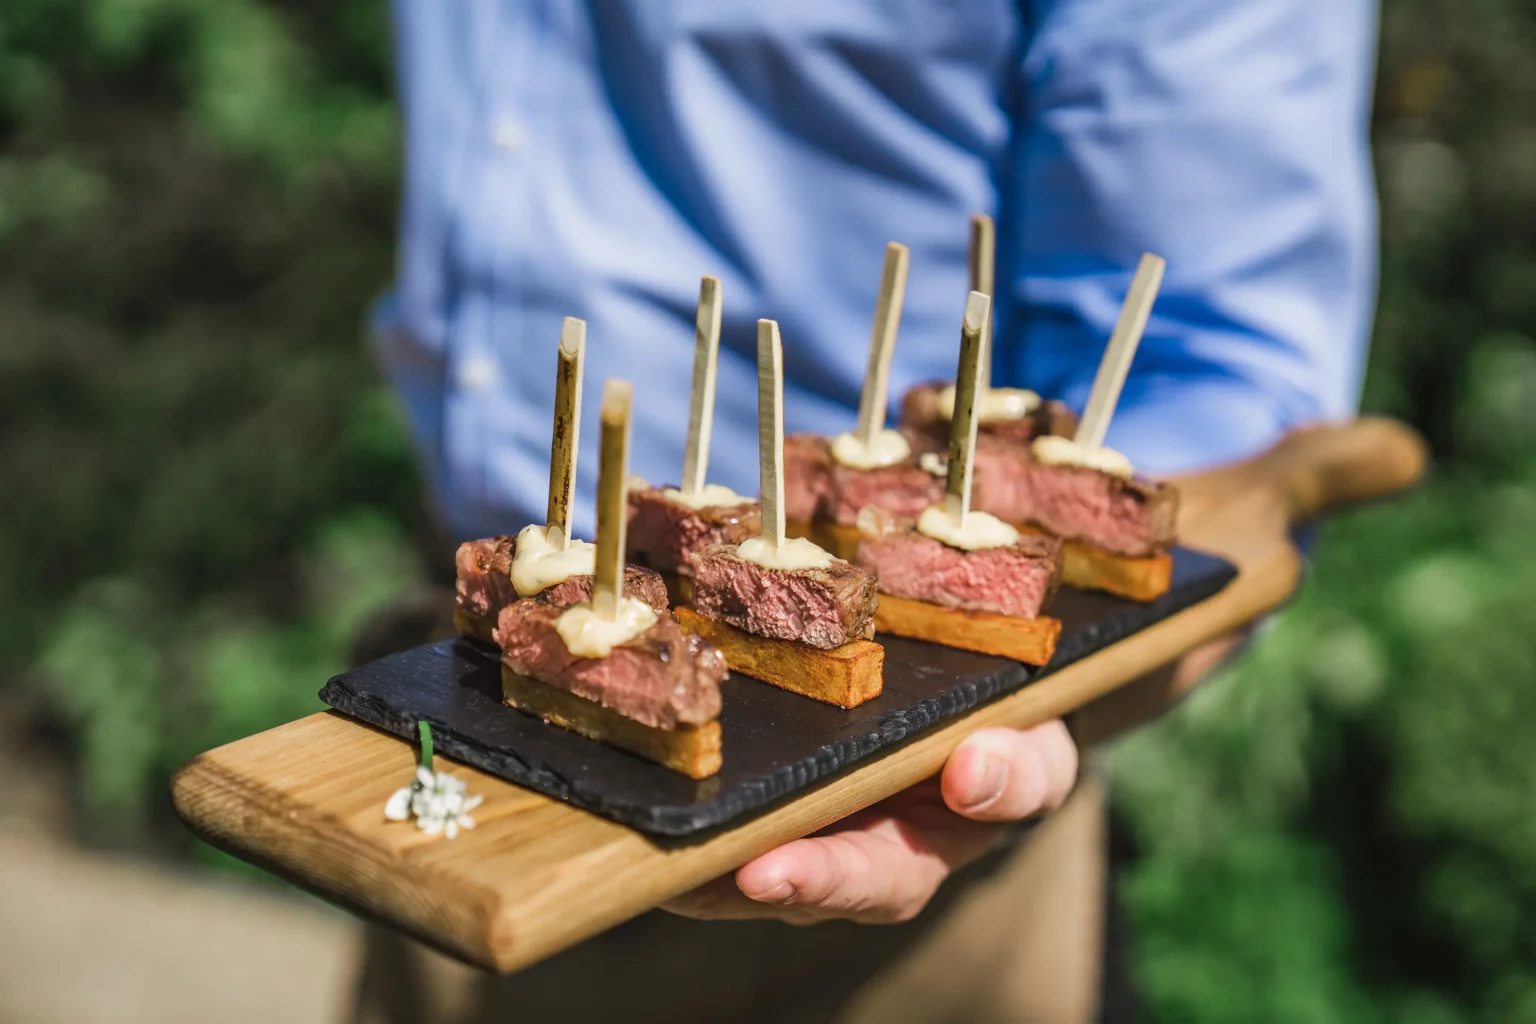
point(794, 554)
point(709, 496)
point(994, 404)
point(1063, 451)
point(935, 463)
point(979, 530)
point(886, 449)
point(539, 565)
point(589, 635)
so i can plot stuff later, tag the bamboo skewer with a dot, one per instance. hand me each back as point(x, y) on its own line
point(612, 498)
point(983, 266)
point(770, 430)
point(701, 408)
point(962, 425)
point(882, 342)
point(567, 430)
point(1120, 351)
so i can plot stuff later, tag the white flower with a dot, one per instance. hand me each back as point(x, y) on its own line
point(437, 802)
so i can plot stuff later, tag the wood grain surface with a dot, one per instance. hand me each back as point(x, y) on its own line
point(536, 876)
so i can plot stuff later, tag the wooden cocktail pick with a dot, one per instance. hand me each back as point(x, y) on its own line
point(612, 498)
point(770, 430)
point(1121, 350)
point(882, 342)
point(701, 407)
point(567, 430)
point(962, 425)
point(983, 266)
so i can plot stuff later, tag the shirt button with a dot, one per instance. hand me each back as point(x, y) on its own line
point(509, 134)
point(477, 373)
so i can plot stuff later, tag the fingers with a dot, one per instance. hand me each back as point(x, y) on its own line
point(1009, 774)
point(883, 865)
point(879, 875)
point(717, 900)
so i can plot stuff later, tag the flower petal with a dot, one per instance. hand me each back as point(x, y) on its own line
point(423, 777)
point(398, 808)
point(470, 803)
point(452, 829)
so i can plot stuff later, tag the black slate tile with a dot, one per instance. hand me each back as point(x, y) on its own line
point(775, 743)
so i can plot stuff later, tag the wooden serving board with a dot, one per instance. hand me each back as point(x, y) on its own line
point(776, 742)
point(537, 875)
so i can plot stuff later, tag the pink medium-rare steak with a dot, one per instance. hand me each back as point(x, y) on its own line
point(825, 608)
point(1018, 580)
point(807, 477)
point(664, 678)
point(920, 415)
point(666, 535)
point(904, 489)
point(484, 584)
point(1132, 517)
point(1000, 479)
point(484, 569)
point(818, 488)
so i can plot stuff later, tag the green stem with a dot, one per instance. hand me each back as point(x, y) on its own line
point(426, 744)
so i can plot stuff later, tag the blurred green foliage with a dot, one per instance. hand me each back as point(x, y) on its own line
point(1340, 827)
point(206, 490)
point(206, 486)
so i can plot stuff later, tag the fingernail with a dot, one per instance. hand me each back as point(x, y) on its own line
point(783, 892)
point(994, 776)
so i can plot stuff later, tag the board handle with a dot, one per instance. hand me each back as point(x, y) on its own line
point(1310, 471)
point(1330, 466)
point(1245, 512)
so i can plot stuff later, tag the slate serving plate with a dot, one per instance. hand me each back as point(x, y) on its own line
point(775, 742)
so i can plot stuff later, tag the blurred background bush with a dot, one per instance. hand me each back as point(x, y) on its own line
point(206, 489)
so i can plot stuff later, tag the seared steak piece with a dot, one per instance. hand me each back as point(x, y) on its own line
point(920, 416)
point(824, 489)
point(1017, 580)
point(646, 584)
point(666, 535)
point(807, 477)
point(484, 570)
point(484, 584)
point(1000, 481)
point(825, 608)
point(663, 678)
point(1126, 517)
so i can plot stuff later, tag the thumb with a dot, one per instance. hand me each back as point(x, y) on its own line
point(1009, 774)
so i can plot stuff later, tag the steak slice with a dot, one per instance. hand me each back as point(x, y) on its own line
point(646, 584)
point(666, 535)
point(664, 677)
point(825, 608)
point(484, 570)
point(1131, 517)
point(807, 477)
point(1000, 482)
point(904, 489)
point(824, 489)
point(920, 416)
point(484, 584)
point(1018, 580)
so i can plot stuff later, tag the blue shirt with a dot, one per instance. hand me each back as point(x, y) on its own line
point(593, 158)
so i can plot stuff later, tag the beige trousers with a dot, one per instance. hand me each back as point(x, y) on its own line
point(1016, 937)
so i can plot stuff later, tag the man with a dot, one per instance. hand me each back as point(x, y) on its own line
point(592, 159)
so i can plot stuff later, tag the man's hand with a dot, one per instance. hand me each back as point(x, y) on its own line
point(882, 865)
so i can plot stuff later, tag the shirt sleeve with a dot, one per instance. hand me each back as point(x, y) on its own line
point(1233, 140)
